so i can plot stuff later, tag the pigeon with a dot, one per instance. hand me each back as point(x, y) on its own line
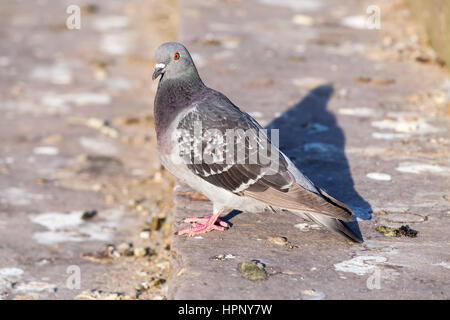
point(198, 132)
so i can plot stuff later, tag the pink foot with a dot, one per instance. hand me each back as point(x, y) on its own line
point(205, 219)
point(203, 225)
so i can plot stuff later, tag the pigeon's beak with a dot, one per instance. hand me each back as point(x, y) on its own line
point(159, 69)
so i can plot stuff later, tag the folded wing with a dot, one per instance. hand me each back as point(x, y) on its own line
point(256, 169)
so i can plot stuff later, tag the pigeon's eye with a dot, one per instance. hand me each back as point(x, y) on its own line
point(176, 56)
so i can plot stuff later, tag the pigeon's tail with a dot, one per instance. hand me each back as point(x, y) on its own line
point(334, 225)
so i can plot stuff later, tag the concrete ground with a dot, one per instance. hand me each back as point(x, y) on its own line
point(79, 176)
point(364, 113)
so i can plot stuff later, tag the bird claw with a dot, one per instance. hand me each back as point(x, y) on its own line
point(203, 225)
point(204, 221)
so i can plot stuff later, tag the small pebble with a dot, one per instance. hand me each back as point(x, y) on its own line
point(97, 187)
point(303, 20)
point(112, 251)
point(145, 234)
point(281, 241)
point(156, 223)
point(125, 249)
point(89, 214)
point(157, 177)
point(223, 257)
point(132, 203)
point(140, 252)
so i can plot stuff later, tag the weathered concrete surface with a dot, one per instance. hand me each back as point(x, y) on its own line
point(59, 158)
point(364, 120)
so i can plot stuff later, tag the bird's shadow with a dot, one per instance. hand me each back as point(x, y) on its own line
point(311, 137)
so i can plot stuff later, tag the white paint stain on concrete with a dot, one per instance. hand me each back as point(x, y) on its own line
point(110, 22)
point(360, 265)
point(417, 168)
point(7, 160)
point(99, 146)
point(19, 197)
point(7, 277)
point(78, 99)
point(70, 227)
point(11, 272)
point(379, 176)
point(116, 43)
point(57, 74)
point(118, 84)
point(390, 136)
point(357, 112)
point(405, 125)
point(57, 220)
point(46, 150)
point(355, 22)
point(443, 264)
point(343, 92)
point(34, 287)
point(309, 82)
point(256, 114)
point(398, 208)
point(367, 151)
point(302, 226)
point(230, 43)
point(30, 107)
point(306, 226)
point(304, 5)
point(15, 196)
point(52, 237)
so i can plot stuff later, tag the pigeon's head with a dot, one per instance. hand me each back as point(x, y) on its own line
point(173, 61)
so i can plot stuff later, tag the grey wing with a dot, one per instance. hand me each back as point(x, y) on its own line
point(228, 148)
